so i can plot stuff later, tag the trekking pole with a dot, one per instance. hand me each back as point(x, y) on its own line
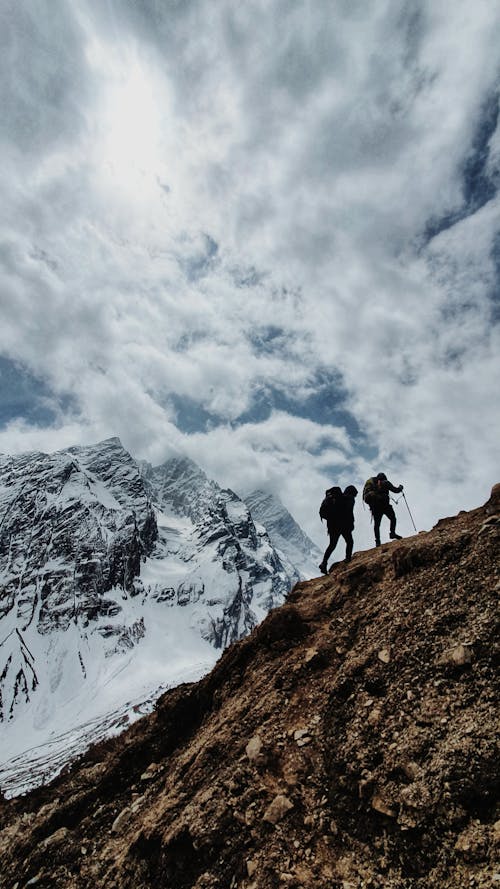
point(408, 508)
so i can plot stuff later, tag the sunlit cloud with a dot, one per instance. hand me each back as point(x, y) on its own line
point(264, 238)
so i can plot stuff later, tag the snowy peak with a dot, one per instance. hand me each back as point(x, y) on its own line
point(232, 567)
point(284, 532)
point(74, 527)
point(181, 485)
point(117, 578)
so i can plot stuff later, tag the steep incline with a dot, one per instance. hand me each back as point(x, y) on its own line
point(349, 741)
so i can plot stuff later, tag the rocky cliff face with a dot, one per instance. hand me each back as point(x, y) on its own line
point(349, 741)
point(116, 579)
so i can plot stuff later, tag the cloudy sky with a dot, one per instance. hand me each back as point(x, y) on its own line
point(262, 234)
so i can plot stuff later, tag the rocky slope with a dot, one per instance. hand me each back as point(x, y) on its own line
point(350, 741)
point(116, 579)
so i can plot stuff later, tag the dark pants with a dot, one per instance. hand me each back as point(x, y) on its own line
point(378, 512)
point(335, 534)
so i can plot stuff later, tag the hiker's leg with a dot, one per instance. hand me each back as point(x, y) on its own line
point(377, 517)
point(324, 561)
point(392, 518)
point(334, 539)
point(391, 515)
point(349, 543)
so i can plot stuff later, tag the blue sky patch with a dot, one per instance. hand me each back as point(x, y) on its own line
point(196, 266)
point(480, 185)
point(325, 406)
point(24, 396)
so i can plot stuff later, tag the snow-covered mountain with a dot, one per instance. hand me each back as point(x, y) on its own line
point(284, 532)
point(118, 579)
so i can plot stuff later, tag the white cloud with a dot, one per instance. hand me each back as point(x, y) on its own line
point(210, 202)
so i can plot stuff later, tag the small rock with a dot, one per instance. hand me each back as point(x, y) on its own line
point(249, 815)
point(253, 748)
point(251, 867)
point(150, 772)
point(311, 653)
point(57, 837)
point(492, 520)
point(277, 809)
point(303, 741)
point(484, 529)
point(300, 733)
point(137, 803)
point(381, 806)
point(459, 656)
point(120, 820)
point(374, 716)
point(384, 655)
point(411, 769)
point(290, 775)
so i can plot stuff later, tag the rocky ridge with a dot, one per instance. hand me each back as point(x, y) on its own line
point(349, 742)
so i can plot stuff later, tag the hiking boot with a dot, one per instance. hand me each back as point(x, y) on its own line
point(395, 536)
point(377, 543)
point(323, 568)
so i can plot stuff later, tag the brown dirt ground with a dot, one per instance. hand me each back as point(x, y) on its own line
point(349, 742)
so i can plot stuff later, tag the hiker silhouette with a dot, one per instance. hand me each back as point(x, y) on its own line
point(338, 510)
point(376, 495)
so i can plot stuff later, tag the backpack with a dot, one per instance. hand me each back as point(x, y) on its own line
point(330, 506)
point(370, 490)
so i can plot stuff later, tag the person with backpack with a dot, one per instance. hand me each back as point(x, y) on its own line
point(376, 495)
point(338, 510)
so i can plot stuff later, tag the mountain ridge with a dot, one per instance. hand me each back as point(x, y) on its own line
point(113, 570)
point(348, 741)
point(286, 534)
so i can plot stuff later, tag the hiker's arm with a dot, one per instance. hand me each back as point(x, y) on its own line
point(394, 490)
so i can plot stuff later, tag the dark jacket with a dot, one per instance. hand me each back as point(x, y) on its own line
point(380, 496)
point(344, 515)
